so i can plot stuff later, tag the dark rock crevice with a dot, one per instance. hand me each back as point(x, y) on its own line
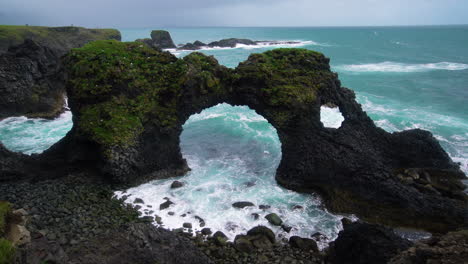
point(129, 103)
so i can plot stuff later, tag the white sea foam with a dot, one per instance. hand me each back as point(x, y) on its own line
point(33, 135)
point(259, 45)
point(229, 149)
point(331, 117)
point(397, 67)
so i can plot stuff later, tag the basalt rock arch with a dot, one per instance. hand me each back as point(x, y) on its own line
point(129, 103)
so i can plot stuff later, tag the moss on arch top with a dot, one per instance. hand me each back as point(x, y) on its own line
point(288, 77)
point(116, 88)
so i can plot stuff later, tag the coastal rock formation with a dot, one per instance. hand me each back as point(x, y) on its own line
point(362, 243)
point(230, 43)
point(451, 248)
point(160, 39)
point(58, 39)
point(29, 65)
point(29, 83)
point(129, 103)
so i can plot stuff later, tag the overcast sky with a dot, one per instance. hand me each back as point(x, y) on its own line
point(150, 13)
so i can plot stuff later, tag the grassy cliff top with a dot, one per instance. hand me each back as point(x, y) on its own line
point(55, 37)
point(126, 83)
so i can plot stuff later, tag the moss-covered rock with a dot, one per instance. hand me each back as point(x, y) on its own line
point(58, 38)
point(129, 84)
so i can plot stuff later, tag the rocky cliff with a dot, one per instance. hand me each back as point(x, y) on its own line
point(59, 39)
point(129, 103)
point(29, 67)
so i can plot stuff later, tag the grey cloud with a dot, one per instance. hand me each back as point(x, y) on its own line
point(151, 13)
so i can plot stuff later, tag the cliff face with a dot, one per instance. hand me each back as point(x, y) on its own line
point(59, 39)
point(129, 103)
point(29, 67)
point(30, 84)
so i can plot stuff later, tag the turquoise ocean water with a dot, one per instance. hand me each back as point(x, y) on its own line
point(404, 77)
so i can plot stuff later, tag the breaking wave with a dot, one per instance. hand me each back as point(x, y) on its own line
point(389, 66)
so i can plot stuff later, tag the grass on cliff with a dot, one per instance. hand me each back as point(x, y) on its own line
point(5, 209)
point(14, 35)
point(7, 252)
point(289, 79)
point(130, 84)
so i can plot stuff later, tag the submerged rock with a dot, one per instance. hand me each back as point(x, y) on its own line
point(274, 219)
point(242, 204)
point(165, 205)
point(138, 201)
point(176, 184)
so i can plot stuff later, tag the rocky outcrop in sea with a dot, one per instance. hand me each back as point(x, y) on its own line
point(160, 39)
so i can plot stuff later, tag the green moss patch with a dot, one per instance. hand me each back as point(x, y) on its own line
point(291, 76)
point(122, 86)
point(7, 252)
point(288, 78)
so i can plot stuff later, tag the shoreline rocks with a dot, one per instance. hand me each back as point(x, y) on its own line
point(230, 43)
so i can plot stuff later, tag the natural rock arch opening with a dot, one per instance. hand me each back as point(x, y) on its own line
point(233, 153)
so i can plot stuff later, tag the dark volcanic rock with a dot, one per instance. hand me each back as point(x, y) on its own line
point(366, 244)
point(139, 243)
point(160, 39)
point(30, 83)
point(58, 39)
point(451, 248)
point(193, 46)
point(231, 42)
point(303, 243)
point(165, 205)
point(176, 184)
point(262, 231)
point(128, 128)
point(274, 219)
point(242, 204)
